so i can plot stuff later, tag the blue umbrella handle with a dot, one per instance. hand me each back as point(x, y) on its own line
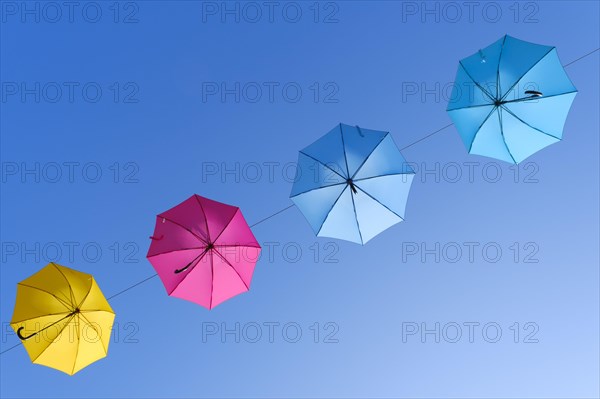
point(157, 238)
point(352, 186)
point(534, 93)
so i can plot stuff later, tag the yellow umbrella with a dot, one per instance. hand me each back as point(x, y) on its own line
point(63, 318)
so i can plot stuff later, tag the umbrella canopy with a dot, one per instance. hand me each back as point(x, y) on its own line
point(352, 183)
point(511, 99)
point(63, 318)
point(203, 251)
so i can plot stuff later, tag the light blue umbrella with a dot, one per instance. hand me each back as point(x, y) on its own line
point(352, 183)
point(511, 99)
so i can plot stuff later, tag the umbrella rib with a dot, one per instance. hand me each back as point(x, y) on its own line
point(356, 217)
point(97, 332)
point(387, 174)
point(86, 295)
point(183, 227)
point(518, 100)
point(534, 128)
point(504, 138)
point(471, 106)
point(204, 214)
point(66, 305)
point(344, 151)
point(234, 269)
point(525, 73)
point(498, 68)
point(376, 200)
point(94, 311)
point(476, 83)
point(237, 245)
point(317, 188)
point(212, 282)
point(479, 128)
point(173, 250)
point(369, 156)
point(325, 165)
point(72, 294)
point(330, 209)
point(78, 345)
point(37, 317)
point(227, 225)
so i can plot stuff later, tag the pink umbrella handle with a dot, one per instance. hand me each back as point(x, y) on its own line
point(157, 238)
point(208, 248)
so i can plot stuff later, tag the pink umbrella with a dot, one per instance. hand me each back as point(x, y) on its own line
point(203, 251)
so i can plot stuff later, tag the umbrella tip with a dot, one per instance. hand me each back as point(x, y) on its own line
point(483, 58)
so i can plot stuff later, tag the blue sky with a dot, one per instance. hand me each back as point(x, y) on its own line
point(114, 112)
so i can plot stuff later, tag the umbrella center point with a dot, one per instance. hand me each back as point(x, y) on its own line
point(210, 246)
point(498, 103)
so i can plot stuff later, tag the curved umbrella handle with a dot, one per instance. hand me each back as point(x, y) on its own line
point(208, 248)
point(534, 93)
point(157, 238)
point(23, 338)
point(177, 271)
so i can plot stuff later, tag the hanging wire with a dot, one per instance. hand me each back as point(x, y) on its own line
point(290, 206)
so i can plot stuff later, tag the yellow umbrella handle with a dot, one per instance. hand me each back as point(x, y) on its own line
point(24, 338)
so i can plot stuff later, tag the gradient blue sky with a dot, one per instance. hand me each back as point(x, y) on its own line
point(164, 143)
